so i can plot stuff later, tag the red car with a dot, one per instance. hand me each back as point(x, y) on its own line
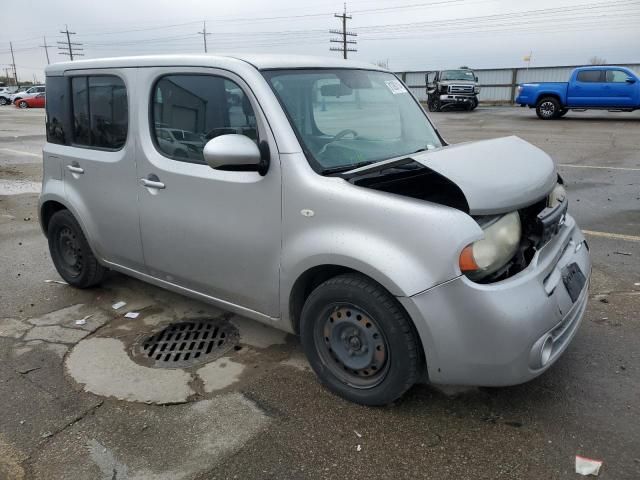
point(33, 102)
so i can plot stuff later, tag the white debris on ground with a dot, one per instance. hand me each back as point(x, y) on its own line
point(587, 466)
point(118, 305)
point(131, 315)
point(83, 321)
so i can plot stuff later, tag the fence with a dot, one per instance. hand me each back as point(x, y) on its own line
point(499, 84)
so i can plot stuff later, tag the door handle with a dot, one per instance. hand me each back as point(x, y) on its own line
point(75, 169)
point(151, 183)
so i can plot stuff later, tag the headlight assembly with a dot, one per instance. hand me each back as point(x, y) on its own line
point(499, 245)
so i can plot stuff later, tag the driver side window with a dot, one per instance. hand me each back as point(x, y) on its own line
point(190, 109)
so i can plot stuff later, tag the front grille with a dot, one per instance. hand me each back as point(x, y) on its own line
point(460, 88)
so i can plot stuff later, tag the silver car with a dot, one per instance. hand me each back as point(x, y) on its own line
point(324, 203)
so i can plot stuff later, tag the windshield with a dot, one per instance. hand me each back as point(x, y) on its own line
point(348, 118)
point(458, 75)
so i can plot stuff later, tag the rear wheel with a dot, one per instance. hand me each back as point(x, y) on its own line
point(359, 341)
point(548, 108)
point(71, 253)
point(3, 101)
point(23, 104)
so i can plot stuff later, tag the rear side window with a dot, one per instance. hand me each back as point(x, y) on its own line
point(56, 108)
point(617, 76)
point(100, 112)
point(592, 76)
point(189, 110)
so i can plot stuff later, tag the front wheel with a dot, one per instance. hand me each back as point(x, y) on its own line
point(71, 253)
point(359, 341)
point(23, 104)
point(548, 108)
point(433, 104)
point(473, 104)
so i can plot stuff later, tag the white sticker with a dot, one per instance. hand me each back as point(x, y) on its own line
point(395, 86)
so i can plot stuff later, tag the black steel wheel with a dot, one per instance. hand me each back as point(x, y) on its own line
point(71, 253)
point(359, 341)
point(434, 104)
point(547, 108)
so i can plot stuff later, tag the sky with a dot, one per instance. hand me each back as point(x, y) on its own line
point(408, 34)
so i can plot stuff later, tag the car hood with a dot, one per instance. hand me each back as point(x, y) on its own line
point(495, 176)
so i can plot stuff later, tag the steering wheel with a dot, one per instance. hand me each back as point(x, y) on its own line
point(338, 136)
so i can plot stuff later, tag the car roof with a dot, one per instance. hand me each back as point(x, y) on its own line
point(259, 61)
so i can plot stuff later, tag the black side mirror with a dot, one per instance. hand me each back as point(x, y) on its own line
point(631, 80)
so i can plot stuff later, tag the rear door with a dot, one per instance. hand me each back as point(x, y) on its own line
point(620, 89)
point(99, 163)
point(211, 231)
point(587, 90)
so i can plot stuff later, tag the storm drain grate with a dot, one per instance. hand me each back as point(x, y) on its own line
point(188, 343)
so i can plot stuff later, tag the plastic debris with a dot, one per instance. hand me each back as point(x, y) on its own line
point(131, 315)
point(118, 305)
point(358, 448)
point(587, 466)
point(83, 321)
point(56, 281)
point(359, 435)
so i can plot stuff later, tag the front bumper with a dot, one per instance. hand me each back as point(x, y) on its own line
point(453, 98)
point(493, 334)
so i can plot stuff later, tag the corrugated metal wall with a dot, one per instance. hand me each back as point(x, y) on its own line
point(497, 84)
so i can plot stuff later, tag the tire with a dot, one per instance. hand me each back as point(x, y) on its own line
point(434, 105)
point(359, 341)
point(71, 253)
point(23, 104)
point(3, 101)
point(548, 108)
point(473, 105)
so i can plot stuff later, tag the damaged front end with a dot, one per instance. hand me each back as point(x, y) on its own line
point(509, 187)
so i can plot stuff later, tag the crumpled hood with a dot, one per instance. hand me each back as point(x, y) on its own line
point(495, 176)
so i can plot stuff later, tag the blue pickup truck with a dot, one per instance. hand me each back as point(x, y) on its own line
point(604, 88)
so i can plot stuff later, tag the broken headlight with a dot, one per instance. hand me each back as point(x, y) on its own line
point(499, 245)
point(557, 196)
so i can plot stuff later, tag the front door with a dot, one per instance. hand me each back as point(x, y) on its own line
point(212, 231)
point(621, 89)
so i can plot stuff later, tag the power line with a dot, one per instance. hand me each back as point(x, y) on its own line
point(344, 48)
point(46, 49)
point(72, 48)
point(204, 35)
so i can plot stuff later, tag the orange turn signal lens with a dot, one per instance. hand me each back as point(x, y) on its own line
point(467, 262)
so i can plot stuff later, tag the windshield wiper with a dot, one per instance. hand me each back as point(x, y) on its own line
point(344, 168)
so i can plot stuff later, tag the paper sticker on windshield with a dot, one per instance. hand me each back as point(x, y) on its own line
point(395, 86)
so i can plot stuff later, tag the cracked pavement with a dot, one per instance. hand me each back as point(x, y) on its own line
point(76, 406)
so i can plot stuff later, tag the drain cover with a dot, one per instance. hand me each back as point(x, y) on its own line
point(188, 343)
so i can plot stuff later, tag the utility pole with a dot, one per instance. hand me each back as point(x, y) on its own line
point(344, 49)
point(204, 35)
point(46, 49)
point(13, 61)
point(72, 48)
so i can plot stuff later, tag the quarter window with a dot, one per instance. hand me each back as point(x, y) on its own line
point(56, 108)
point(617, 76)
point(590, 76)
point(100, 113)
point(190, 110)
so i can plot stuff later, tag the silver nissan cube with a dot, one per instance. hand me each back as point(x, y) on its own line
point(316, 196)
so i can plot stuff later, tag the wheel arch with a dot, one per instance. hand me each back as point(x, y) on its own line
point(47, 210)
point(541, 96)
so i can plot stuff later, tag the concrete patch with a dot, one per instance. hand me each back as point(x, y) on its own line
point(12, 328)
point(56, 334)
point(176, 442)
point(220, 374)
point(297, 360)
point(258, 335)
point(67, 317)
point(103, 366)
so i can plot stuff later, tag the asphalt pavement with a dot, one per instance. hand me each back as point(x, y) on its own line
point(77, 404)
